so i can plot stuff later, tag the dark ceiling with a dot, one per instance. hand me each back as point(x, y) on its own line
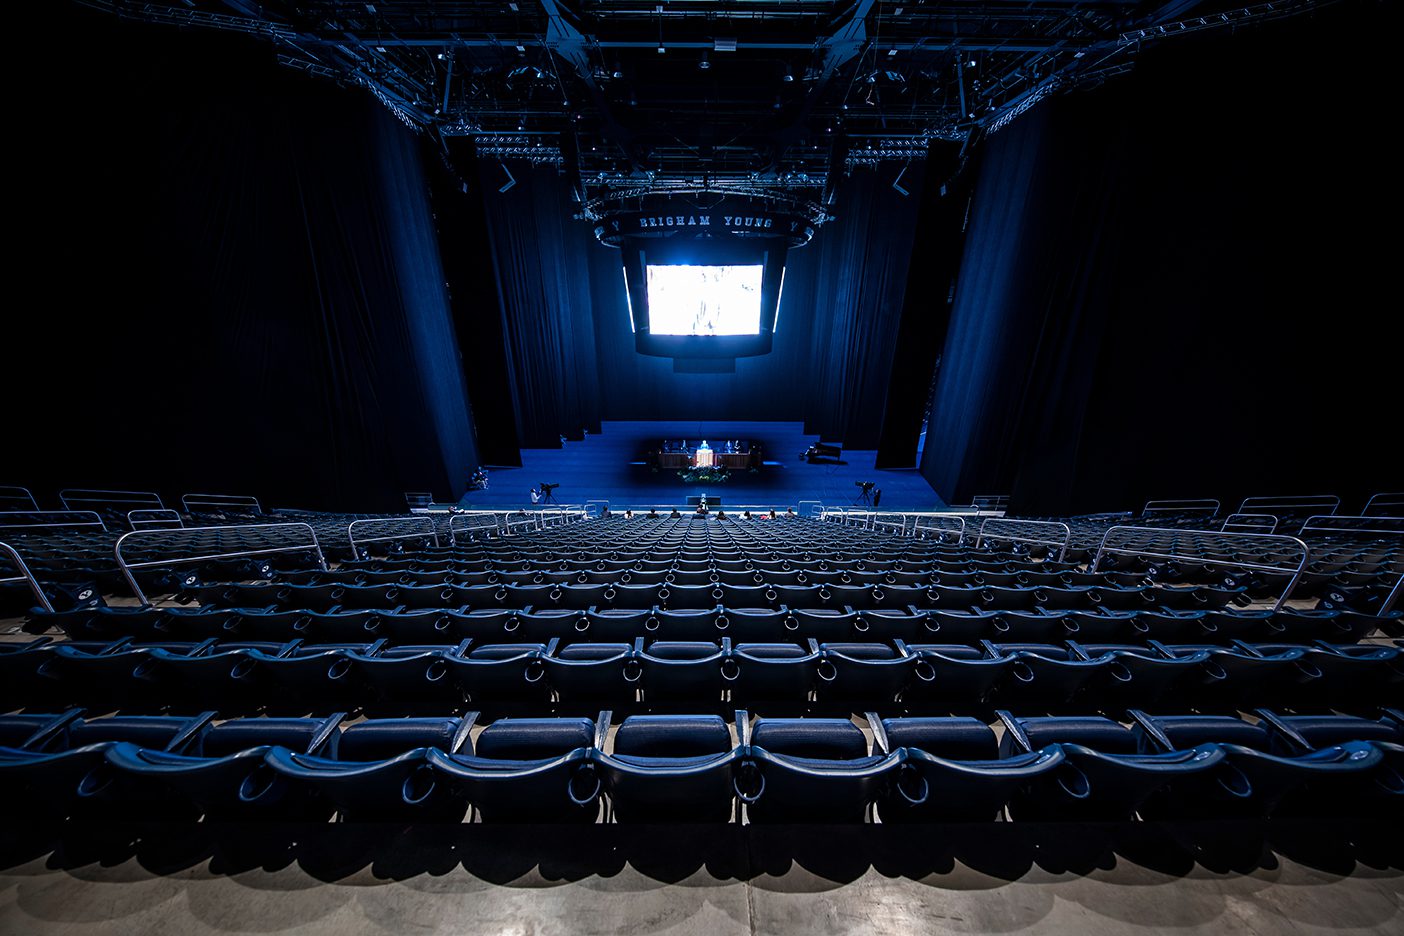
point(630, 96)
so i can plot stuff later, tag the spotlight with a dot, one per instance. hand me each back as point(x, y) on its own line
point(704, 64)
point(661, 49)
point(441, 57)
point(787, 77)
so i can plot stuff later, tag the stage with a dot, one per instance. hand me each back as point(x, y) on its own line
point(614, 466)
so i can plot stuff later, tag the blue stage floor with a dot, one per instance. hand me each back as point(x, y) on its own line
point(600, 468)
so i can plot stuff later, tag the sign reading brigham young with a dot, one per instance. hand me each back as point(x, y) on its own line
point(722, 221)
point(727, 221)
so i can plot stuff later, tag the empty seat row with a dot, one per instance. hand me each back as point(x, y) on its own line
point(910, 624)
point(692, 768)
point(705, 574)
point(946, 676)
point(820, 596)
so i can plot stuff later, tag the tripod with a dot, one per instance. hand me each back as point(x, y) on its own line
point(548, 494)
point(865, 493)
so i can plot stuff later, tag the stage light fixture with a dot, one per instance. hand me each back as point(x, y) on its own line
point(704, 64)
point(511, 180)
point(787, 77)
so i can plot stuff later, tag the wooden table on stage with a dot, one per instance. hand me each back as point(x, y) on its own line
point(732, 454)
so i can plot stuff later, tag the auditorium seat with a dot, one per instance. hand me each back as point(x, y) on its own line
point(809, 770)
point(528, 770)
point(951, 770)
point(670, 768)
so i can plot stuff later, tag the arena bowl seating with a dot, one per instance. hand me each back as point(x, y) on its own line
point(704, 669)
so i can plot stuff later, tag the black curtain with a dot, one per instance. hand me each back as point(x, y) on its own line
point(1170, 285)
point(241, 280)
point(543, 280)
point(471, 278)
point(852, 279)
point(926, 304)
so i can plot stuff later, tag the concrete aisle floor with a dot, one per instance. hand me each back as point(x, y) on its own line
point(995, 878)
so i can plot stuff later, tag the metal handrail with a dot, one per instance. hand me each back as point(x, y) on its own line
point(97, 520)
point(27, 576)
point(917, 524)
point(1244, 523)
point(221, 500)
point(1322, 522)
point(1266, 504)
point(1246, 538)
point(454, 527)
point(11, 492)
point(137, 523)
point(1183, 505)
point(127, 567)
point(413, 534)
point(1386, 499)
point(1312, 525)
point(1051, 525)
point(84, 496)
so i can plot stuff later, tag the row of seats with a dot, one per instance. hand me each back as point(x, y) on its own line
point(404, 626)
point(700, 597)
point(639, 573)
point(950, 675)
point(692, 768)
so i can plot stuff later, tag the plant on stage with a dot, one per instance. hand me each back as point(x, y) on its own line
point(707, 475)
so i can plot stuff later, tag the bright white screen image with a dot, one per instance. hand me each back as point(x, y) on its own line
point(704, 300)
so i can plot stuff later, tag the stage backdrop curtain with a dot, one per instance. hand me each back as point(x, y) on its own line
point(246, 294)
point(851, 281)
point(1153, 302)
point(543, 280)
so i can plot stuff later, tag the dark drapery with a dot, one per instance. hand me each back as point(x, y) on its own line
point(1169, 289)
point(242, 280)
point(926, 304)
point(543, 279)
point(853, 278)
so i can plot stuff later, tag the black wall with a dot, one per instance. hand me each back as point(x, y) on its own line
point(1176, 285)
point(238, 282)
